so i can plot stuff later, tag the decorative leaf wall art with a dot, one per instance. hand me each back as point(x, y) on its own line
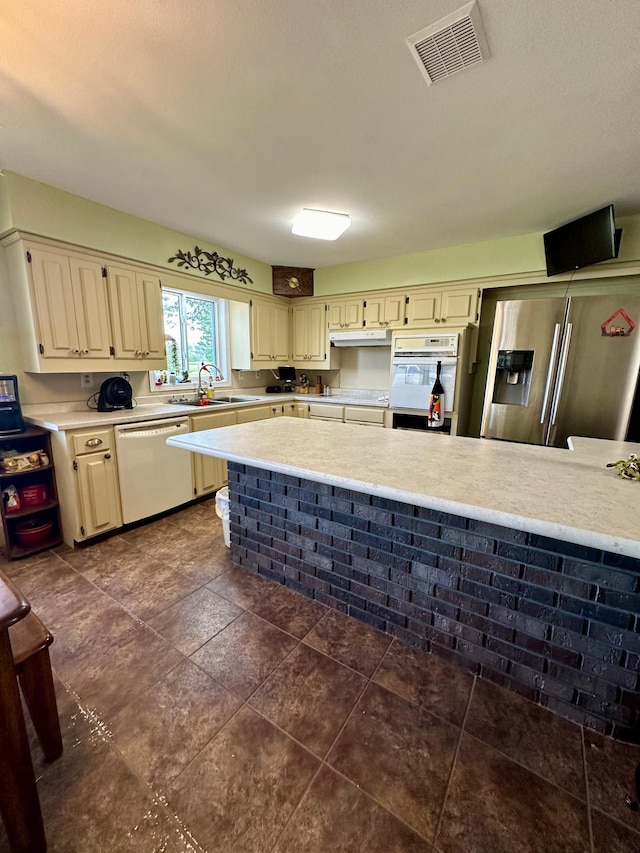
point(211, 262)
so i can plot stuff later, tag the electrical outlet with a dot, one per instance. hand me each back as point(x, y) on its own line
point(241, 374)
point(257, 374)
point(86, 380)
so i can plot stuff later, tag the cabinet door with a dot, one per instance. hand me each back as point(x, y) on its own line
point(384, 312)
point(149, 297)
point(125, 312)
point(277, 411)
point(269, 332)
point(300, 332)
point(53, 304)
point(317, 333)
point(346, 314)
point(290, 410)
point(423, 308)
point(280, 339)
point(209, 473)
point(336, 315)
point(354, 313)
point(91, 308)
point(302, 410)
point(98, 493)
point(262, 331)
point(459, 308)
point(253, 413)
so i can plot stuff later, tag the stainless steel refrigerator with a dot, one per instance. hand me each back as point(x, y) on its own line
point(561, 367)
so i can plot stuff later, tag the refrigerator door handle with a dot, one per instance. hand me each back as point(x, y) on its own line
point(564, 355)
point(552, 362)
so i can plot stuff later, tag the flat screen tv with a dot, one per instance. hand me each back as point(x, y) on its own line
point(588, 240)
point(287, 374)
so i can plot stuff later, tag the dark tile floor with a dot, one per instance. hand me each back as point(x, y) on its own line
point(205, 709)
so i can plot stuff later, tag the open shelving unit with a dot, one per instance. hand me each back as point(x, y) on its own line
point(33, 439)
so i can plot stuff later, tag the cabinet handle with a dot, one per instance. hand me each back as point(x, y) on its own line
point(444, 319)
point(107, 456)
point(93, 442)
point(437, 319)
point(75, 351)
point(146, 352)
point(85, 352)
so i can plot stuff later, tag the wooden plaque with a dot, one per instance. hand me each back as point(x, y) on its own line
point(292, 281)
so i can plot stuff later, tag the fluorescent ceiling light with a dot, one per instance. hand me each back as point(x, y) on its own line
point(320, 224)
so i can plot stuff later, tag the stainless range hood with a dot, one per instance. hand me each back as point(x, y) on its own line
point(361, 338)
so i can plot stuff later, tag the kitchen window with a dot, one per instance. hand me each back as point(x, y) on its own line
point(195, 331)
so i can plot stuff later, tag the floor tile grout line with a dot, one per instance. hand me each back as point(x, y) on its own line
point(586, 789)
point(456, 752)
point(325, 763)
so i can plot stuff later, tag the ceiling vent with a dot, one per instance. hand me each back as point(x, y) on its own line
point(450, 45)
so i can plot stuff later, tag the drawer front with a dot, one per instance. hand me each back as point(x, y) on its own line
point(91, 441)
point(326, 410)
point(362, 415)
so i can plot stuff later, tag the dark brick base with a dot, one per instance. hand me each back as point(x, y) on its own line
point(555, 622)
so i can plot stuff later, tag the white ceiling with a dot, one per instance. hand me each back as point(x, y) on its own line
point(222, 118)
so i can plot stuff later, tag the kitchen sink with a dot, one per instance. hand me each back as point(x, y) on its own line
point(236, 399)
point(196, 403)
point(219, 401)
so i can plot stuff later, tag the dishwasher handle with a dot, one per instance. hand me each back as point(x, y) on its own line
point(152, 428)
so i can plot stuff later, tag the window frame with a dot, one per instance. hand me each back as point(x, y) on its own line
point(222, 338)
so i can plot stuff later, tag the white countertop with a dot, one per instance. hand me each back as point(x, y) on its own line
point(563, 494)
point(59, 418)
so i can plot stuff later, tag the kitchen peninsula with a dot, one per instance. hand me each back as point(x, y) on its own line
point(519, 562)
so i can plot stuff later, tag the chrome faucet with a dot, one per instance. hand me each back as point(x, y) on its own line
point(205, 367)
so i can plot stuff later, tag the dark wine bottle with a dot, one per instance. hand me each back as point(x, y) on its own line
point(435, 417)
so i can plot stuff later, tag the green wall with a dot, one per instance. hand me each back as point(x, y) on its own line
point(509, 256)
point(37, 208)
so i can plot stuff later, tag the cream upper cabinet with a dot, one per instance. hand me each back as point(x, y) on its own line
point(384, 312)
point(346, 313)
point(209, 473)
point(436, 307)
point(135, 299)
point(69, 297)
point(309, 332)
point(269, 333)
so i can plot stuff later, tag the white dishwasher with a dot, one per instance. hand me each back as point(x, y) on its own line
point(153, 477)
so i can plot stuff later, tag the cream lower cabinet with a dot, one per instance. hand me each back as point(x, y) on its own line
point(287, 410)
point(209, 473)
point(426, 308)
point(87, 479)
point(253, 413)
point(269, 334)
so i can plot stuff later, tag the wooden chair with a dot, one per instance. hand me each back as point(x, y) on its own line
point(24, 658)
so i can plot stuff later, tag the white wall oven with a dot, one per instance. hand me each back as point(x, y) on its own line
point(414, 360)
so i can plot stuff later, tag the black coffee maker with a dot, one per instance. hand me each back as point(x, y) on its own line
point(10, 413)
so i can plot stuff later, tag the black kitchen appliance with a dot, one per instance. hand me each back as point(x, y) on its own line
point(10, 413)
point(273, 389)
point(115, 393)
point(288, 376)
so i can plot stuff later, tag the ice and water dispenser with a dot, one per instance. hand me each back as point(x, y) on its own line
point(513, 377)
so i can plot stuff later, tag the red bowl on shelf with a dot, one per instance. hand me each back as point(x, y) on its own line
point(33, 495)
point(34, 532)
